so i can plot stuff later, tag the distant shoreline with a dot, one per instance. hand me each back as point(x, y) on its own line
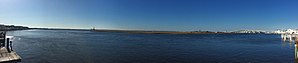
point(170, 32)
point(147, 32)
point(135, 31)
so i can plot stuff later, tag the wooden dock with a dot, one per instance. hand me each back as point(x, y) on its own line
point(6, 52)
point(6, 56)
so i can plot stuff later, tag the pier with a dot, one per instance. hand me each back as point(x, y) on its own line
point(6, 52)
point(289, 37)
point(292, 38)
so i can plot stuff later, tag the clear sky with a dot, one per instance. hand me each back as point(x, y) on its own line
point(178, 15)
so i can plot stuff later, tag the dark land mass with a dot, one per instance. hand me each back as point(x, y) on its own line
point(12, 28)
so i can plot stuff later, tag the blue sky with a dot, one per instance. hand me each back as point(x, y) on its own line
point(174, 15)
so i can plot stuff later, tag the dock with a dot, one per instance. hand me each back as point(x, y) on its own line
point(6, 56)
point(289, 37)
point(6, 52)
point(292, 38)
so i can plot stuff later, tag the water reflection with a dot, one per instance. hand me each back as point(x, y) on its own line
point(296, 54)
point(289, 39)
point(287, 44)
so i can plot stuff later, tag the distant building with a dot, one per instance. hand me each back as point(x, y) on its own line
point(288, 31)
point(250, 31)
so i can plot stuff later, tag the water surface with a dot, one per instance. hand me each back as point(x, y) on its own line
point(69, 46)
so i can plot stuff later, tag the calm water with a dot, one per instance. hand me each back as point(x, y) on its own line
point(66, 46)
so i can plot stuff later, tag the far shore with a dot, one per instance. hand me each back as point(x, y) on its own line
point(146, 31)
point(14, 28)
point(164, 32)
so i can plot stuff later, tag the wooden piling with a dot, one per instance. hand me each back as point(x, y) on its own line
point(3, 43)
point(7, 45)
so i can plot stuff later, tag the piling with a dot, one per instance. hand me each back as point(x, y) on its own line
point(7, 45)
